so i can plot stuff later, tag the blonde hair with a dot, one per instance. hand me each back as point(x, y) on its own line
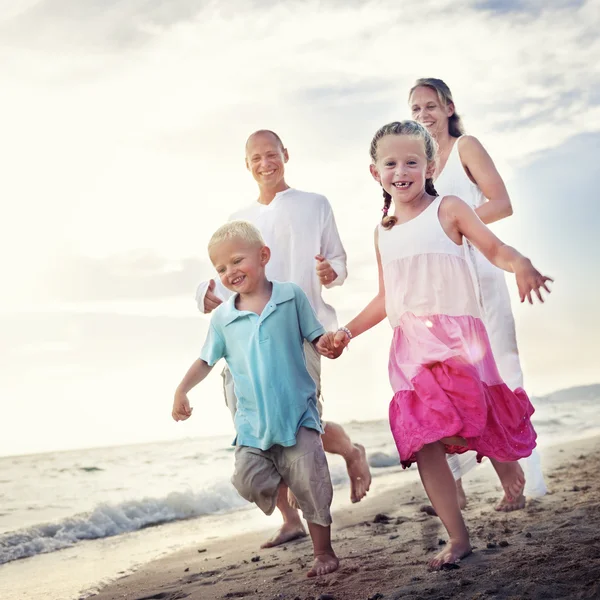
point(455, 124)
point(241, 230)
point(414, 130)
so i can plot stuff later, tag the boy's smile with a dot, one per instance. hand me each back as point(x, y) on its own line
point(240, 264)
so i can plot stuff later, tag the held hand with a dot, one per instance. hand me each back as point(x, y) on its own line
point(529, 280)
point(332, 344)
point(210, 300)
point(325, 272)
point(181, 407)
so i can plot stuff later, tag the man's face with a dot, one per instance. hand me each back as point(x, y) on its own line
point(265, 159)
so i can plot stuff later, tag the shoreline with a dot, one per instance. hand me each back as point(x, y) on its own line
point(551, 549)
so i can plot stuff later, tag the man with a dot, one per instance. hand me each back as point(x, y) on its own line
point(300, 230)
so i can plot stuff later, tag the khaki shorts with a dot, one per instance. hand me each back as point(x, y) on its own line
point(313, 365)
point(303, 468)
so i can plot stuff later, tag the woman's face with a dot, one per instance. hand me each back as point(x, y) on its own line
point(427, 109)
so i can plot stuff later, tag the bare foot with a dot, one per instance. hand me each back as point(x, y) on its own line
point(462, 500)
point(512, 479)
point(452, 553)
point(360, 474)
point(506, 505)
point(286, 533)
point(324, 564)
point(292, 500)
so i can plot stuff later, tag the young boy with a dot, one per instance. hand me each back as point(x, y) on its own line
point(260, 332)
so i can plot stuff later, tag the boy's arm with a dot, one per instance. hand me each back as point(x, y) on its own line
point(181, 405)
point(332, 250)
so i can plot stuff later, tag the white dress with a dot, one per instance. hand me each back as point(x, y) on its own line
point(493, 295)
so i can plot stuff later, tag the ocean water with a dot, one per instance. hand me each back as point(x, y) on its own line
point(102, 512)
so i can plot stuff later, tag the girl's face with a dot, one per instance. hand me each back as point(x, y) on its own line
point(427, 109)
point(402, 167)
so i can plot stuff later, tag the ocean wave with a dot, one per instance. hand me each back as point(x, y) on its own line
point(383, 460)
point(113, 519)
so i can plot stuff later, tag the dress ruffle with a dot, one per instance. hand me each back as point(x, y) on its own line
point(459, 395)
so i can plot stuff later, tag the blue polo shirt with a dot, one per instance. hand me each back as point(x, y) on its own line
point(265, 354)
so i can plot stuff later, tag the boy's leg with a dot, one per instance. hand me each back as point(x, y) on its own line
point(292, 527)
point(336, 440)
point(304, 468)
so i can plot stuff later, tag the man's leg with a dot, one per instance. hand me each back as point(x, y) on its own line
point(336, 440)
point(292, 527)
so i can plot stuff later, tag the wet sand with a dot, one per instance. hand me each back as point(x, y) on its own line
point(549, 550)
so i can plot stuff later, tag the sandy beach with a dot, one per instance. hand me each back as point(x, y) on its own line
point(549, 550)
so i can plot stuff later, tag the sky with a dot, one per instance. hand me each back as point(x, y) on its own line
point(122, 145)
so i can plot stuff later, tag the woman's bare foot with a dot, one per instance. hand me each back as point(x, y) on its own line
point(452, 553)
point(359, 473)
point(286, 533)
point(512, 479)
point(324, 564)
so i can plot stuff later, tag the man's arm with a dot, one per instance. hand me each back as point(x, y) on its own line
point(332, 250)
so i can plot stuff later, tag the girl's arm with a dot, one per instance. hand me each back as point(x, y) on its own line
point(332, 344)
point(458, 215)
point(482, 171)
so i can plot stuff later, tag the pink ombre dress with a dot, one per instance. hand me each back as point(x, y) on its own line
point(441, 366)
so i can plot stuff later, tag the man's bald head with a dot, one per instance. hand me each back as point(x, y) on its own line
point(264, 133)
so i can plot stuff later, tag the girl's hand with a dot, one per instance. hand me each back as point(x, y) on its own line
point(529, 279)
point(181, 407)
point(332, 344)
point(325, 272)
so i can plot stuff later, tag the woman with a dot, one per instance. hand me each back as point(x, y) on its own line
point(466, 170)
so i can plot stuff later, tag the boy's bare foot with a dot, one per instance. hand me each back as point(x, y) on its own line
point(286, 533)
point(453, 551)
point(512, 479)
point(324, 564)
point(360, 474)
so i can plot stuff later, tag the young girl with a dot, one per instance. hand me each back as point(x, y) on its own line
point(448, 395)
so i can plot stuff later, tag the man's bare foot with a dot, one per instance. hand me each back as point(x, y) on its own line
point(462, 500)
point(512, 479)
point(452, 553)
point(324, 564)
point(359, 473)
point(286, 533)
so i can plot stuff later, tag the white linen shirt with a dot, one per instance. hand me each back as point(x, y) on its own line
point(296, 226)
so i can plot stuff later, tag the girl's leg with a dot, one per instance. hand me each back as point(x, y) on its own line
point(441, 489)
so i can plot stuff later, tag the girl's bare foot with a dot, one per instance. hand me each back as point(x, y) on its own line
point(324, 564)
point(360, 474)
point(286, 533)
point(453, 551)
point(512, 479)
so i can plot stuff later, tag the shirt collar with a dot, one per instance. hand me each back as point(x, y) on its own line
point(279, 294)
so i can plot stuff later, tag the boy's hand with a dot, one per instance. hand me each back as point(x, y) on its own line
point(332, 344)
point(211, 301)
point(181, 407)
point(325, 271)
point(529, 279)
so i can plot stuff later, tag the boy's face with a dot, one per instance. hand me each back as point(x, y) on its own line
point(240, 264)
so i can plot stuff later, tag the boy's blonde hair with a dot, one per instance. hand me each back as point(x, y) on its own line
point(242, 230)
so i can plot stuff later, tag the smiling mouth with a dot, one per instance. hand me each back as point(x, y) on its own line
point(238, 280)
point(402, 185)
point(267, 173)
